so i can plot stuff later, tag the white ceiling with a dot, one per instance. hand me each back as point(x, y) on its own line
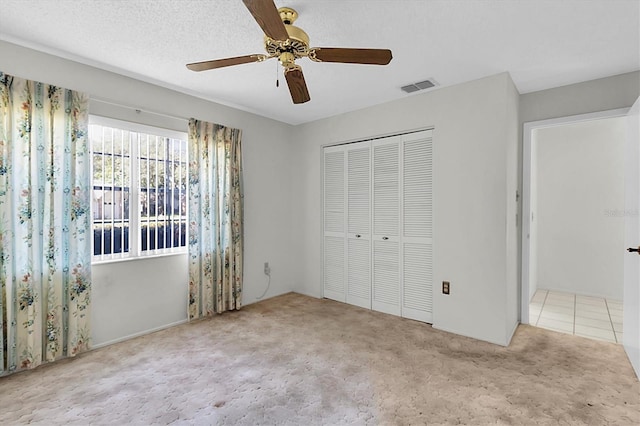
point(542, 43)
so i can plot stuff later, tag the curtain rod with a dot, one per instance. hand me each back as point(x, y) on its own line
point(136, 109)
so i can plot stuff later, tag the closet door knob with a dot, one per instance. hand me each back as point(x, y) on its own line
point(385, 238)
point(634, 250)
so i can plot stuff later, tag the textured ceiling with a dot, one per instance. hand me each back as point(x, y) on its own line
point(542, 43)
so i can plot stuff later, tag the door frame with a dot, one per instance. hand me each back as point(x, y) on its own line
point(527, 133)
point(631, 302)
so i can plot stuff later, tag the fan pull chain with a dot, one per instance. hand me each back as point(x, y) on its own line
point(277, 76)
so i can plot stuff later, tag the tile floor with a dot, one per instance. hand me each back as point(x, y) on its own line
point(592, 317)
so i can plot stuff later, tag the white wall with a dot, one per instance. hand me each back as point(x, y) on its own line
point(118, 287)
point(135, 297)
point(474, 126)
point(580, 186)
point(603, 94)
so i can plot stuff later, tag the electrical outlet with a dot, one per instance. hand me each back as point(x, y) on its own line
point(267, 268)
point(445, 287)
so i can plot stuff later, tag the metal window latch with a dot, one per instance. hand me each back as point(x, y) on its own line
point(385, 238)
point(358, 235)
point(634, 250)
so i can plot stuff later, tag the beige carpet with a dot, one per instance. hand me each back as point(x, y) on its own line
point(302, 361)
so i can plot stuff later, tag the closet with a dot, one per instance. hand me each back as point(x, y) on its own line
point(377, 224)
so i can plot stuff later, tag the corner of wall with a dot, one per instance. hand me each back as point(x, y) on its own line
point(513, 222)
point(304, 173)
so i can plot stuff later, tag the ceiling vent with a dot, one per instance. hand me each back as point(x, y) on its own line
point(421, 85)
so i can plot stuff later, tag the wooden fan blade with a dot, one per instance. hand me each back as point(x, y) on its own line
point(297, 85)
point(227, 62)
point(351, 56)
point(267, 16)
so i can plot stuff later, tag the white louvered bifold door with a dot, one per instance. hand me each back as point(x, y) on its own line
point(386, 225)
point(377, 222)
point(417, 249)
point(334, 223)
point(358, 225)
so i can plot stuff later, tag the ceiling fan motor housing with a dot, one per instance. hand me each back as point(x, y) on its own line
point(297, 44)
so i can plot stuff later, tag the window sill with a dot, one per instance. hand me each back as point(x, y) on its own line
point(135, 258)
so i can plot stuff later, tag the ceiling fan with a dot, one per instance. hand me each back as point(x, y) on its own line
point(287, 42)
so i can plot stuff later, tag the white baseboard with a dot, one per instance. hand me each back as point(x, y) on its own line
point(304, 293)
point(266, 297)
point(141, 333)
point(466, 335)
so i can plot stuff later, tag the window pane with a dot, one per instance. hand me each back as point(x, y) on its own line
point(110, 195)
point(162, 193)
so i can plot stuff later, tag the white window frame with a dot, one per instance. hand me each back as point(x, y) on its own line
point(135, 245)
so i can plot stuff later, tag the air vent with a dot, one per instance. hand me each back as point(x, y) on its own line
point(421, 85)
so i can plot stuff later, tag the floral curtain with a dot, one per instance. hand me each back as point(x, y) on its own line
point(215, 219)
point(45, 256)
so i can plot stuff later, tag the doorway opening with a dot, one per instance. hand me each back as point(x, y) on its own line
point(573, 224)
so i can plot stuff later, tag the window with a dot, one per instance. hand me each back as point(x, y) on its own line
point(139, 196)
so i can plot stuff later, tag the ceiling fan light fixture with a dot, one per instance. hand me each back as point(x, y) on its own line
point(287, 59)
